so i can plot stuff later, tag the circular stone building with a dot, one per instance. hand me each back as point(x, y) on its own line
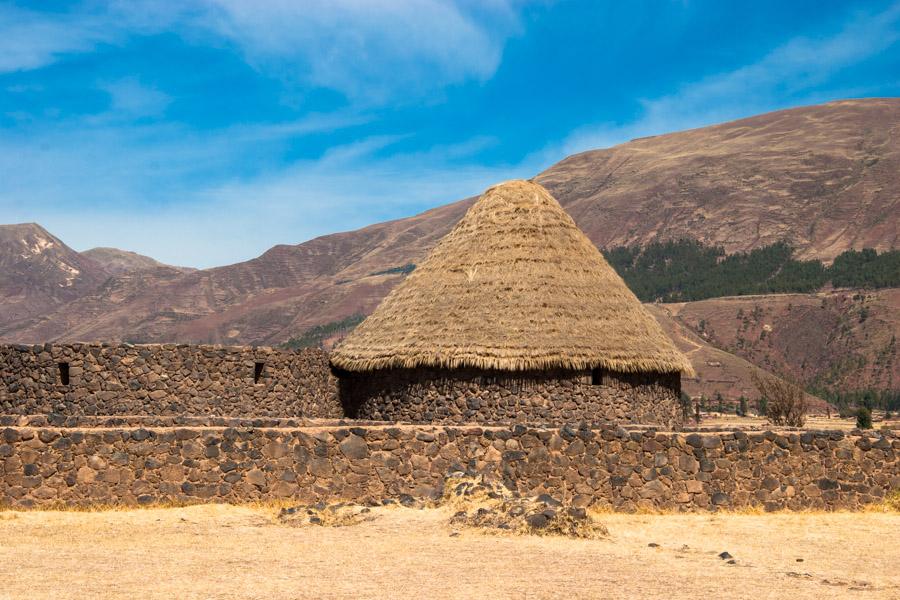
point(514, 316)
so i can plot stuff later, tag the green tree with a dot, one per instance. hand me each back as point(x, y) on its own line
point(684, 270)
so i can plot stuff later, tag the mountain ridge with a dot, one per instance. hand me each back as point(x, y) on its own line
point(822, 178)
point(117, 262)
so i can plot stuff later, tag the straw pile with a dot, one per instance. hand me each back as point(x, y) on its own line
point(514, 286)
point(491, 506)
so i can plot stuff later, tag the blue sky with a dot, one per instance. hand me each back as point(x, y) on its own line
point(204, 132)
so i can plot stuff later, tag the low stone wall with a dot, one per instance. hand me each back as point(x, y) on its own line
point(607, 466)
point(476, 396)
point(168, 379)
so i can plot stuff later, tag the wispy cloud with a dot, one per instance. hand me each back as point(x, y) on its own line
point(106, 161)
point(29, 40)
point(237, 219)
point(131, 99)
point(125, 177)
point(372, 52)
point(791, 72)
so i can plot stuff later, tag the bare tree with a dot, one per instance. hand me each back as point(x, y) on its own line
point(786, 402)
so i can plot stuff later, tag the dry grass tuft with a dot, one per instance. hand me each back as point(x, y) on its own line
point(892, 501)
point(273, 506)
point(61, 506)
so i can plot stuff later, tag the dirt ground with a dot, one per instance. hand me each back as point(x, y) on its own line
point(218, 551)
point(812, 422)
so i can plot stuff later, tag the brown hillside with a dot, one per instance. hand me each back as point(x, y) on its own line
point(838, 339)
point(823, 178)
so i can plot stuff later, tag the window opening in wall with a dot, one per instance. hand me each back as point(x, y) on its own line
point(64, 373)
point(596, 376)
point(257, 371)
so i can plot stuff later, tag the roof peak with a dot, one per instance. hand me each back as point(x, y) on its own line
point(514, 286)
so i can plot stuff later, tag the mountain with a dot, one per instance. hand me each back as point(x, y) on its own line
point(39, 273)
point(117, 262)
point(821, 178)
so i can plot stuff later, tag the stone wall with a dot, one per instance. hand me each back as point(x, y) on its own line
point(166, 379)
point(475, 396)
point(608, 466)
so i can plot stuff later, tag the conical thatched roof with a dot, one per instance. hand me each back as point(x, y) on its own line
point(515, 286)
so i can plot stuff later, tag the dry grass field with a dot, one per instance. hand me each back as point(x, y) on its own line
point(714, 420)
point(218, 551)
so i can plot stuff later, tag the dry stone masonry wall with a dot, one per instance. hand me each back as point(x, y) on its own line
point(472, 396)
point(610, 466)
point(168, 379)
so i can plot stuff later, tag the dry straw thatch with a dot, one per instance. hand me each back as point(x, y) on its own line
point(514, 286)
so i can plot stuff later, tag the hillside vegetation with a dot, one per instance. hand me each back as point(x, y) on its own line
point(840, 344)
point(315, 337)
point(686, 270)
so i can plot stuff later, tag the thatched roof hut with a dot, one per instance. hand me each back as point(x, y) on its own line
point(515, 286)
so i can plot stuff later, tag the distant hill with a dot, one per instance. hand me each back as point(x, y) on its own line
point(39, 273)
point(117, 262)
point(821, 179)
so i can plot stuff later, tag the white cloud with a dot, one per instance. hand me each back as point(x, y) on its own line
point(30, 41)
point(143, 188)
point(372, 52)
point(367, 50)
point(792, 70)
point(130, 98)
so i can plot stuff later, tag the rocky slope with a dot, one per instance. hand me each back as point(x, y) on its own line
point(823, 178)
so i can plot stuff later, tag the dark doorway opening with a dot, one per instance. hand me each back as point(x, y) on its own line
point(64, 373)
point(258, 371)
point(596, 376)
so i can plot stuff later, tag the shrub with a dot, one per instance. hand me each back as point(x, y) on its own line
point(785, 402)
point(892, 502)
point(685, 402)
point(864, 418)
